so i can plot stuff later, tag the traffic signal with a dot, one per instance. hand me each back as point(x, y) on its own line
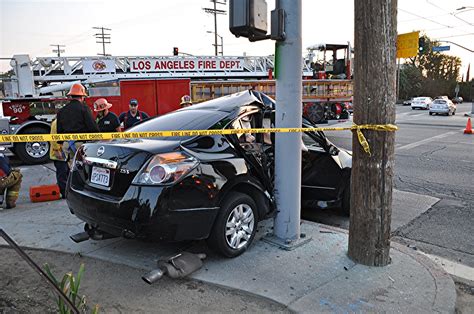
point(421, 44)
point(175, 51)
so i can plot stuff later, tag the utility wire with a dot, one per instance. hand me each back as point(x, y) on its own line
point(425, 18)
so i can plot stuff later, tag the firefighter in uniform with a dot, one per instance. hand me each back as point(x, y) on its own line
point(133, 115)
point(75, 117)
point(106, 120)
point(59, 158)
point(10, 182)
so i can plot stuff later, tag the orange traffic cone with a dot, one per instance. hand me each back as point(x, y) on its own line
point(468, 129)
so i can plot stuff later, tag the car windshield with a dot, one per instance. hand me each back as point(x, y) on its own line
point(181, 120)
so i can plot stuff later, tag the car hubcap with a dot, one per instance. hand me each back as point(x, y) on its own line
point(37, 149)
point(239, 226)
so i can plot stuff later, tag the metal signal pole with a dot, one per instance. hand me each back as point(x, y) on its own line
point(215, 11)
point(288, 68)
point(103, 39)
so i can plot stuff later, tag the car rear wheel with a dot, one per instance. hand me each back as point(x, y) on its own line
point(235, 226)
point(431, 113)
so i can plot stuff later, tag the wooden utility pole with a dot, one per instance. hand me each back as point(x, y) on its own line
point(374, 103)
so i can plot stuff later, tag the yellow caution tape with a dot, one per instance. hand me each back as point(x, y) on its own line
point(130, 135)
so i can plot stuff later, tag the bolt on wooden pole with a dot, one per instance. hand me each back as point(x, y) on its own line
point(374, 103)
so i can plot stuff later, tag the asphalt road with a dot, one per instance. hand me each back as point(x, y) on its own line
point(432, 157)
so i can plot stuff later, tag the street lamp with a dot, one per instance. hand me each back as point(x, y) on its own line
point(222, 41)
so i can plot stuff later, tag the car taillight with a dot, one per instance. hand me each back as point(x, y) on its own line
point(165, 168)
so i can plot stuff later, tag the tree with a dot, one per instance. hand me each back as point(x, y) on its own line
point(411, 81)
point(374, 103)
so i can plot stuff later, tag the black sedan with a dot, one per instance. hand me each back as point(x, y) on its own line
point(199, 187)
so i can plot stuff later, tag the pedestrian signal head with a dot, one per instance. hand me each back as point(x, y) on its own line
point(77, 89)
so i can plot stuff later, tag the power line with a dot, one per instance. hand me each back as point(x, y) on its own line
point(103, 38)
point(460, 35)
point(216, 11)
point(425, 18)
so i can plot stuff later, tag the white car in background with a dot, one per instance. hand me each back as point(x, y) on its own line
point(443, 106)
point(421, 103)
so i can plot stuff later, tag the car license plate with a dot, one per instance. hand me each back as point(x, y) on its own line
point(100, 176)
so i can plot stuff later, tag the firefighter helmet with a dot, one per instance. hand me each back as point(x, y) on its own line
point(186, 101)
point(77, 89)
point(101, 104)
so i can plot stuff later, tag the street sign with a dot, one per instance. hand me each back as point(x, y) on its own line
point(407, 45)
point(441, 48)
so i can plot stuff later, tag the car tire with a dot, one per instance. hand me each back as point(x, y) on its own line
point(346, 201)
point(235, 226)
point(454, 112)
point(33, 153)
point(431, 113)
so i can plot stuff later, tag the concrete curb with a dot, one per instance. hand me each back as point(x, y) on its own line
point(445, 300)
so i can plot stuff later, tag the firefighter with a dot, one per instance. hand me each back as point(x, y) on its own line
point(186, 101)
point(133, 115)
point(75, 117)
point(59, 158)
point(106, 120)
point(10, 181)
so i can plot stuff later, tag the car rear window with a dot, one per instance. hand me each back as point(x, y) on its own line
point(439, 101)
point(181, 120)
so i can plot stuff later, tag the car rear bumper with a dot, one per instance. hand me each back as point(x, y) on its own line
point(143, 212)
point(433, 110)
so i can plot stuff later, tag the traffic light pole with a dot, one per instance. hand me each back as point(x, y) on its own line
point(288, 69)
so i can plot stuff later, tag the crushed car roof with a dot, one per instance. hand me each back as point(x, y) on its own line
point(229, 103)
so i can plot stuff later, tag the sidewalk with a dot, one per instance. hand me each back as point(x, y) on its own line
point(317, 277)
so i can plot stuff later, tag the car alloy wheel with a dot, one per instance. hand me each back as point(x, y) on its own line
point(239, 227)
point(235, 226)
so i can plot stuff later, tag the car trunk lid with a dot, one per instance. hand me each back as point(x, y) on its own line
point(108, 168)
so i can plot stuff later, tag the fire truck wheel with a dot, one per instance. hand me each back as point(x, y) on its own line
point(33, 152)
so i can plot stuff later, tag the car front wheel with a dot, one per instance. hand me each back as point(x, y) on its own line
point(235, 226)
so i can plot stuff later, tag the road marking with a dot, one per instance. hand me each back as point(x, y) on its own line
point(453, 268)
point(427, 140)
point(403, 113)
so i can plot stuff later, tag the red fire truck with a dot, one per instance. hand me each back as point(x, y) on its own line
point(36, 90)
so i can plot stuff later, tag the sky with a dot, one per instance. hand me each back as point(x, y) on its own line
point(153, 28)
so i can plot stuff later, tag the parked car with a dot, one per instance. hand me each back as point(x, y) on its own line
point(199, 187)
point(421, 103)
point(408, 101)
point(443, 106)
